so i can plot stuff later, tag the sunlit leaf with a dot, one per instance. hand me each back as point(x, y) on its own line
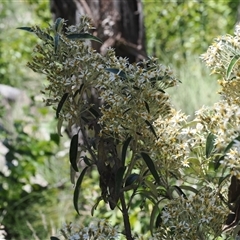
point(189, 188)
point(83, 36)
point(73, 152)
point(60, 104)
point(118, 72)
point(59, 126)
point(151, 166)
point(210, 144)
point(231, 65)
point(151, 128)
point(77, 189)
point(124, 149)
point(131, 179)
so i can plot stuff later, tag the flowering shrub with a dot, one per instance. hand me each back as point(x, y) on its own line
point(125, 125)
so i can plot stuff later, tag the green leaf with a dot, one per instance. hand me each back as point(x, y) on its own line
point(77, 189)
point(54, 238)
point(99, 199)
point(83, 36)
point(131, 179)
point(210, 144)
point(124, 149)
point(87, 161)
point(28, 29)
point(152, 187)
point(118, 179)
point(151, 128)
point(56, 41)
point(231, 144)
point(60, 104)
point(180, 192)
point(59, 126)
point(189, 188)
point(222, 179)
point(94, 112)
point(118, 72)
point(147, 107)
point(231, 65)
point(150, 166)
point(58, 25)
point(154, 213)
point(73, 152)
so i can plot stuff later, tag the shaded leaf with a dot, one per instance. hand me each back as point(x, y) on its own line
point(151, 128)
point(154, 213)
point(151, 166)
point(83, 36)
point(222, 179)
point(99, 199)
point(210, 144)
point(87, 161)
point(77, 189)
point(94, 112)
point(147, 107)
point(60, 104)
point(126, 111)
point(56, 41)
point(152, 187)
point(180, 192)
point(231, 144)
point(28, 29)
point(54, 238)
point(118, 180)
point(73, 152)
point(124, 149)
point(131, 179)
point(189, 188)
point(118, 72)
point(231, 65)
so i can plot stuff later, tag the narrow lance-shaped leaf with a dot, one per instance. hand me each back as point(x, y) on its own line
point(151, 128)
point(117, 72)
point(210, 144)
point(54, 238)
point(73, 152)
point(131, 179)
point(60, 104)
point(147, 106)
point(154, 213)
point(231, 65)
point(118, 180)
point(83, 36)
point(77, 189)
point(28, 29)
point(58, 25)
point(151, 166)
point(59, 126)
point(124, 150)
point(56, 42)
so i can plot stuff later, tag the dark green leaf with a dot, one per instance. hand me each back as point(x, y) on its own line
point(210, 144)
point(124, 149)
point(87, 161)
point(131, 179)
point(55, 138)
point(126, 111)
point(28, 29)
point(180, 192)
point(217, 161)
point(151, 128)
point(59, 25)
point(147, 107)
point(73, 152)
point(189, 188)
point(94, 112)
point(154, 213)
point(151, 166)
point(99, 199)
point(60, 104)
point(117, 72)
point(231, 144)
point(77, 189)
point(222, 179)
point(231, 65)
point(59, 126)
point(118, 180)
point(54, 238)
point(56, 41)
point(83, 36)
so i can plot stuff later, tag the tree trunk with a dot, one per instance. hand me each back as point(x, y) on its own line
point(118, 23)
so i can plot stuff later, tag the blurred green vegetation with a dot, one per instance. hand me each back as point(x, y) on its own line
point(177, 33)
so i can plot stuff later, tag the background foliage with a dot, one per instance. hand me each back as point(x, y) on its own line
point(177, 32)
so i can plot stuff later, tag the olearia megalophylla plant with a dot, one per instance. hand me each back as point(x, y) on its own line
point(127, 127)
